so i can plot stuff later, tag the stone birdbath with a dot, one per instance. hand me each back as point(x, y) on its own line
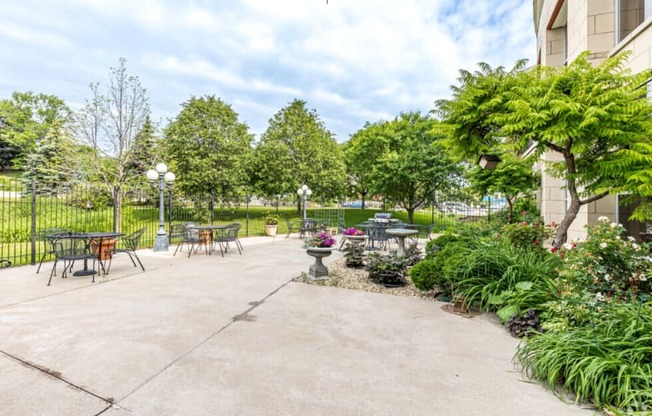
point(318, 271)
point(400, 234)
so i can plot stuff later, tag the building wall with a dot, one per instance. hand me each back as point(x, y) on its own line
point(583, 25)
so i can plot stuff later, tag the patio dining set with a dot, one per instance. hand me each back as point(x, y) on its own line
point(209, 236)
point(98, 248)
point(379, 231)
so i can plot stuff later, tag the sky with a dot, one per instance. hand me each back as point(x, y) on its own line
point(352, 61)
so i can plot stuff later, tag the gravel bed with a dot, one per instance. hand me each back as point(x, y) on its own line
point(358, 279)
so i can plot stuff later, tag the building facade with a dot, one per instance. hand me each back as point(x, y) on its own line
point(566, 28)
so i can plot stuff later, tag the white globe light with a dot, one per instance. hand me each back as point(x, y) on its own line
point(152, 175)
point(170, 177)
point(161, 168)
point(300, 191)
point(308, 192)
point(304, 187)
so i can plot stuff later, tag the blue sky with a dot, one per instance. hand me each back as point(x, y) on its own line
point(353, 61)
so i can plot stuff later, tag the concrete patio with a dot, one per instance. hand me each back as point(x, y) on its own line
point(234, 335)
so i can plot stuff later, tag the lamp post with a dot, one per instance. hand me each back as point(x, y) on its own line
point(304, 192)
point(164, 178)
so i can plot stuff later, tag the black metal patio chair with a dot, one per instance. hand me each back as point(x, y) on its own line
point(229, 235)
point(378, 238)
point(69, 248)
point(45, 236)
point(308, 226)
point(293, 227)
point(128, 244)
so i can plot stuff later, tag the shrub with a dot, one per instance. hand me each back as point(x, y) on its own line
point(607, 361)
point(354, 255)
point(436, 245)
point(527, 235)
point(426, 275)
point(388, 269)
point(502, 278)
point(437, 267)
point(608, 265)
point(412, 255)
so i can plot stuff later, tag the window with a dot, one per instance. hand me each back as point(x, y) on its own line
point(630, 14)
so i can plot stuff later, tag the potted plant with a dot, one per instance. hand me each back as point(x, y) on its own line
point(271, 223)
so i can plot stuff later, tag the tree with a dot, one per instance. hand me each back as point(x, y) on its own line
point(210, 149)
point(407, 163)
point(587, 115)
point(25, 119)
point(109, 125)
point(296, 149)
point(145, 151)
point(513, 178)
point(361, 153)
point(48, 163)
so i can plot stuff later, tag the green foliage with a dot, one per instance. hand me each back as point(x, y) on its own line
point(211, 147)
point(426, 275)
point(386, 269)
point(604, 269)
point(575, 111)
point(605, 263)
point(354, 255)
point(523, 209)
point(402, 160)
point(433, 247)
point(503, 278)
point(270, 218)
point(441, 264)
point(607, 362)
point(297, 149)
point(25, 120)
point(412, 254)
point(514, 178)
point(527, 235)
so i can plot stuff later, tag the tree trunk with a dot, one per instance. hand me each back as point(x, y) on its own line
point(117, 209)
point(410, 213)
point(562, 229)
point(510, 204)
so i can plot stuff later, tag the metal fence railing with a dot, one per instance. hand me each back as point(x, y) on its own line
point(28, 209)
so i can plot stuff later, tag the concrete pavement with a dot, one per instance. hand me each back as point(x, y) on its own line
point(234, 335)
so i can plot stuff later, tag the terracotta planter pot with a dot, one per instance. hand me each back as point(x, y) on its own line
point(106, 251)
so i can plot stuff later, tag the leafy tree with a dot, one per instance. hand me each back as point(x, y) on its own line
point(109, 125)
point(361, 153)
point(513, 178)
point(407, 162)
point(145, 151)
point(48, 163)
point(210, 149)
point(25, 119)
point(587, 115)
point(297, 149)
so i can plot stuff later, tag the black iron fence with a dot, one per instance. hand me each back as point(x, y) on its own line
point(27, 210)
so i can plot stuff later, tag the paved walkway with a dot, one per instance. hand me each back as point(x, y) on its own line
point(234, 335)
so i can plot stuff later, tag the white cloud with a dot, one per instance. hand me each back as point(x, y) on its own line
point(353, 61)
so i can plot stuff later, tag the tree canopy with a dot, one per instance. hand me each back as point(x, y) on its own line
point(296, 149)
point(403, 160)
point(25, 119)
point(210, 149)
point(587, 115)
